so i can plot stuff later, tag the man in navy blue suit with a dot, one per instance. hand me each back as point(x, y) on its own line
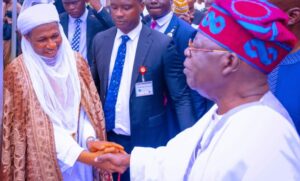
point(162, 19)
point(93, 20)
point(150, 70)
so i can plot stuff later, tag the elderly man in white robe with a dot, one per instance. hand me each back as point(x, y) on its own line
point(247, 135)
point(52, 112)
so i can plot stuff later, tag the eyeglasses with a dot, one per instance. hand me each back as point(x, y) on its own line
point(192, 48)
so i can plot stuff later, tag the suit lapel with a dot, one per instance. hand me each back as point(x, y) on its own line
point(143, 47)
point(89, 25)
point(171, 30)
point(108, 43)
point(64, 21)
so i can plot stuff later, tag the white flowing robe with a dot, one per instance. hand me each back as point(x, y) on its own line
point(68, 150)
point(254, 141)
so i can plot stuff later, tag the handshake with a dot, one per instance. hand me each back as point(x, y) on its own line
point(106, 156)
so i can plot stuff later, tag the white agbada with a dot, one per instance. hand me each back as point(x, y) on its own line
point(251, 142)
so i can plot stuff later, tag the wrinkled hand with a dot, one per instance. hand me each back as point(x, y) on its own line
point(95, 4)
point(113, 162)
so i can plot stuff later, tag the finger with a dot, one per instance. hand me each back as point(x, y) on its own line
point(98, 145)
point(116, 145)
point(102, 158)
point(104, 144)
point(111, 150)
point(123, 152)
point(117, 168)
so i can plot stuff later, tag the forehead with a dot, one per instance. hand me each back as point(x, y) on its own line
point(44, 29)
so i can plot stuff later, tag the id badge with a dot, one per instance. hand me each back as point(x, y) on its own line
point(144, 89)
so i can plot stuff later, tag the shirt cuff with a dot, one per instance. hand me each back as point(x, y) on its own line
point(67, 149)
point(71, 156)
point(139, 163)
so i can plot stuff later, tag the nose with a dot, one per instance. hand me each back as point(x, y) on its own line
point(51, 44)
point(119, 13)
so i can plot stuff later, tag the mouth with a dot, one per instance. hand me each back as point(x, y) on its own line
point(154, 8)
point(119, 22)
point(51, 52)
point(185, 71)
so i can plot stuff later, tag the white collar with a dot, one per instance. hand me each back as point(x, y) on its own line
point(133, 33)
point(165, 19)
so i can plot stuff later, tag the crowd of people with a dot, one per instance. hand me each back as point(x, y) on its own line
point(152, 90)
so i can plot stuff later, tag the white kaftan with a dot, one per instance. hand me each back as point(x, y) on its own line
point(254, 141)
point(68, 150)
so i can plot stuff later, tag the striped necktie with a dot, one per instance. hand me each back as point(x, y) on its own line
point(76, 36)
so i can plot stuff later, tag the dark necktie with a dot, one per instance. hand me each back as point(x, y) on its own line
point(114, 85)
point(76, 36)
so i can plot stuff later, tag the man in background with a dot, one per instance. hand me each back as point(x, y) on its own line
point(134, 69)
point(81, 24)
point(284, 80)
point(165, 21)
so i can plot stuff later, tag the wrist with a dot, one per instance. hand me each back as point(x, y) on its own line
point(86, 157)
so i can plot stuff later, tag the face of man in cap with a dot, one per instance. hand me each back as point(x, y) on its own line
point(75, 8)
point(45, 39)
point(126, 13)
point(205, 64)
point(158, 8)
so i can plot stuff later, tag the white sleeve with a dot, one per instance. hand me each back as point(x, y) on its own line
point(166, 162)
point(146, 163)
point(67, 149)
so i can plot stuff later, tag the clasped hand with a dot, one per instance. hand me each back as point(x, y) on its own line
point(108, 156)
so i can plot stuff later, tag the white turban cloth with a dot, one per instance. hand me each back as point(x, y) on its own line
point(36, 15)
point(56, 86)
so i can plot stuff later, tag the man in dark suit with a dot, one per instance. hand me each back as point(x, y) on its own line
point(165, 21)
point(93, 20)
point(151, 69)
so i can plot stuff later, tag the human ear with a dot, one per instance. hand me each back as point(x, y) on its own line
point(230, 63)
point(294, 16)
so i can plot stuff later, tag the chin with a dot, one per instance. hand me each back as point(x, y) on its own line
point(203, 93)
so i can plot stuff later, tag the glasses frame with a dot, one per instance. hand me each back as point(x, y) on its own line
point(191, 47)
